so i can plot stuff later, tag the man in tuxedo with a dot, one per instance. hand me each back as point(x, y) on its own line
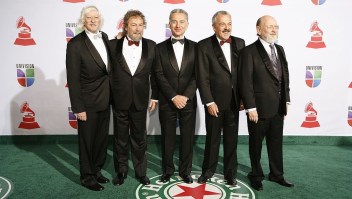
point(174, 70)
point(88, 67)
point(217, 83)
point(133, 58)
point(264, 88)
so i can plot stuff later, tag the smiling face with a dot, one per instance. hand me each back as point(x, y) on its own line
point(135, 27)
point(92, 21)
point(222, 26)
point(178, 24)
point(268, 29)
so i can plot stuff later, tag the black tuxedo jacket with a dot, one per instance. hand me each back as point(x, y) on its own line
point(215, 81)
point(128, 89)
point(259, 86)
point(87, 75)
point(170, 79)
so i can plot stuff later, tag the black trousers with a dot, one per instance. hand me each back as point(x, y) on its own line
point(187, 120)
point(227, 121)
point(272, 130)
point(130, 129)
point(93, 142)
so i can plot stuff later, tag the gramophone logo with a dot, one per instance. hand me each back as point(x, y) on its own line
point(350, 86)
point(311, 118)
point(28, 119)
point(25, 74)
point(316, 39)
point(74, 1)
point(168, 32)
point(318, 2)
point(271, 2)
point(72, 119)
point(313, 76)
point(24, 36)
point(349, 117)
point(174, 1)
point(222, 1)
point(71, 31)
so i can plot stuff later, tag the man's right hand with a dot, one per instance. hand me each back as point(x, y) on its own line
point(180, 101)
point(213, 110)
point(253, 116)
point(81, 116)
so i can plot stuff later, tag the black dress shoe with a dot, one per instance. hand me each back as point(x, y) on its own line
point(92, 184)
point(257, 185)
point(283, 182)
point(187, 179)
point(165, 178)
point(231, 182)
point(144, 180)
point(119, 179)
point(102, 179)
point(202, 179)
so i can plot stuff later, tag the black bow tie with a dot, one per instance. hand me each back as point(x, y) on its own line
point(130, 43)
point(173, 40)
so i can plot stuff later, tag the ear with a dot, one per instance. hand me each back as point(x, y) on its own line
point(258, 30)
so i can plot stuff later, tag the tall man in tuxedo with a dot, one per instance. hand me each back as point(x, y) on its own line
point(133, 58)
point(174, 70)
point(217, 83)
point(264, 88)
point(88, 67)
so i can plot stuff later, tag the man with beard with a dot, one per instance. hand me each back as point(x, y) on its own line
point(133, 58)
point(264, 88)
point(217, 82)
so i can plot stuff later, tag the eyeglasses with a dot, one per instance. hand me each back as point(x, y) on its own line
point(273, 27)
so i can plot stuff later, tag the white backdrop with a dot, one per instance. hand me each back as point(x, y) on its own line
point(34, 61)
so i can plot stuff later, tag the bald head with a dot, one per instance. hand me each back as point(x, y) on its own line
point(267, 28)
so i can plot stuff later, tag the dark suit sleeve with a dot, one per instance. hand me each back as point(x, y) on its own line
point(73, 70)
point(246, 67)
point(202, 75)
point(162, 82)
point(192, 86)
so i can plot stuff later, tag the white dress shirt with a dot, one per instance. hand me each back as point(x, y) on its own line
point(178, 49)
point(99, 45)
point(132, 55)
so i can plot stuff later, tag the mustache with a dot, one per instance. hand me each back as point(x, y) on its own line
point(226, 30)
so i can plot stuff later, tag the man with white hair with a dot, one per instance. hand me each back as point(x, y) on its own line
point(88, 68)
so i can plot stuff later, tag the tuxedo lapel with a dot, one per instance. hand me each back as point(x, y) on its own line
point(143, 57)
point(185, 55)
point(106, 42)
point(120, 58)
point(265, 57)
point(234, 54)
point(172, 57)
point(219, 54)
point(95, 54)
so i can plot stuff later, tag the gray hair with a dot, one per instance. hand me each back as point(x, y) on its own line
point(133, 13)
point(86, 10)
point(178, 11)
point(221, 12)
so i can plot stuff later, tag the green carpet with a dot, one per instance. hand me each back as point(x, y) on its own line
point(41, 170)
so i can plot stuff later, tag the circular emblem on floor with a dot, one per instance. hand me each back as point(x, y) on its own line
point(6, 187)
point(214, 188)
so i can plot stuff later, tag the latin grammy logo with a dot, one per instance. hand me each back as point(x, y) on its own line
point(174, 1)
point(28, 120)
point(349, 117)
point(24, 36)
point(311, 118)
point(350, 86)
point(316, 40)
point(73, 1)
point(271, 2)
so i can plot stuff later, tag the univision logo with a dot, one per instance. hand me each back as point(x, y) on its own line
point(318, 2)
point(313, 76)
point(25, 74)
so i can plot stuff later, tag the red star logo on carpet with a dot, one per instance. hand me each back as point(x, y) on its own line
point(196, 192)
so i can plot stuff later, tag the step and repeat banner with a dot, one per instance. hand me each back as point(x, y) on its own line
point(34, 33)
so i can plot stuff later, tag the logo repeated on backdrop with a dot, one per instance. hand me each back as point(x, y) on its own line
point(215, 188)
point(168, 33)
point(24, 36)
point(316, 39)
point(271, 2)
point(313, 76)
point(72, 119)
point(25, 74)
point(123, 0)
point(349, 115)
point(222, 1)
point(73, 1)
point(174, 1)
point(28, 119)
point(71, 31)
point(311, 118)
point(350, 86)
point(318, 2)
